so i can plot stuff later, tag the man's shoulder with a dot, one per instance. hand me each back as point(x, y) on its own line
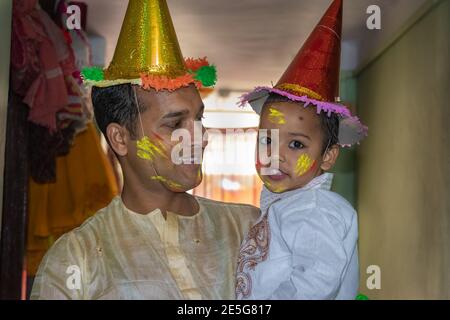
point(237, 216)
point(209, 203)
point(91, 229)
point(238, 210)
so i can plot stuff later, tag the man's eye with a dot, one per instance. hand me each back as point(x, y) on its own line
point(174, 125)
point(295, 144)
point(265, 140)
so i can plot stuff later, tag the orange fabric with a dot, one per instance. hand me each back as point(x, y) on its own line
point(85, 183)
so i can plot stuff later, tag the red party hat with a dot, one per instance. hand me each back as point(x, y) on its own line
point(315, 69)
point(312, 78)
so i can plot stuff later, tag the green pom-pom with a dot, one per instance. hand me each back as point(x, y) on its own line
point(93, 74)
point(361, 297)
point(207, 75)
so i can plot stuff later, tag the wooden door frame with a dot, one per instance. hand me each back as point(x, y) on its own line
point(13, 171)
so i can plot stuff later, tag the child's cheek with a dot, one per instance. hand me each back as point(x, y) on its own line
point(304, 164)
point(258, 165)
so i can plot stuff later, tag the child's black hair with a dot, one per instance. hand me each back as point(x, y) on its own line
point(116, 104)
point(329, 124)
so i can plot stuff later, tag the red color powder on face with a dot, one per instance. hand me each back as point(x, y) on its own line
point(258, 164)
point(157, 136)
point(313, 167)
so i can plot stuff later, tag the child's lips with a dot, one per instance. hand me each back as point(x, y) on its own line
point(276, 175)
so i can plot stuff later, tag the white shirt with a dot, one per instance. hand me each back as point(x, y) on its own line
point(304, 246)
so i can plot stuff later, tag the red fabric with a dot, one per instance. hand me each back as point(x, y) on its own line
point(40, 61)
point(317, 64)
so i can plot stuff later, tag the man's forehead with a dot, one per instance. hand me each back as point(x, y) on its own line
point(165, 102)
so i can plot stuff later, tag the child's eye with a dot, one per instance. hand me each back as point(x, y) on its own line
point(295, 144)
point(265, 140)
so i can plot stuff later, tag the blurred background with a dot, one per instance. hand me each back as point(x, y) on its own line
point(58, 170)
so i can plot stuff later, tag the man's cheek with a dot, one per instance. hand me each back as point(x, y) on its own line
point(150, 149)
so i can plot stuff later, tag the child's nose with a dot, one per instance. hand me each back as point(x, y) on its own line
point(279, 158)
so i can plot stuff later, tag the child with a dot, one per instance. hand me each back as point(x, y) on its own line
point(304, 245)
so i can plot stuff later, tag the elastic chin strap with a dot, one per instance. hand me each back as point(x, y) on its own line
point(326, 149)
point(142, 127)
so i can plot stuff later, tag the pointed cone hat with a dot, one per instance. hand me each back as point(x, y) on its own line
point(313, 77)
point(148, 53)
point(315, 69)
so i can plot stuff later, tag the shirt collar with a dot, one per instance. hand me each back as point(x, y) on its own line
point(321, 182)
point(268, 197)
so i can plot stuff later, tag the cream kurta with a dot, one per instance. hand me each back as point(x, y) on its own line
point(120, 254)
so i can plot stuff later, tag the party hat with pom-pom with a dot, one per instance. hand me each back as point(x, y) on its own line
point(148, 53)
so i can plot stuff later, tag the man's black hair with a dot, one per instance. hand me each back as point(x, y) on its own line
point(329, 124)
point(116, 104)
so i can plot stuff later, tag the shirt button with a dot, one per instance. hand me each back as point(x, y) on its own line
point(99, 251)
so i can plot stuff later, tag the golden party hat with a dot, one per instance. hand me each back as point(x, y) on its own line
point(148, 53)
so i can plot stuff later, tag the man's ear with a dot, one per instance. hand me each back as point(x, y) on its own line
point(118, 138)
point(330, 157)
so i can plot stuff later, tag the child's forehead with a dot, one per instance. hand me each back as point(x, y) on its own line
point(290, 110)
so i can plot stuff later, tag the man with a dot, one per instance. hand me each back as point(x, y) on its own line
point(155, 241)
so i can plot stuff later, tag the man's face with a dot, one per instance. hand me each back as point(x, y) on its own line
point(151, 155)
point(300, 145)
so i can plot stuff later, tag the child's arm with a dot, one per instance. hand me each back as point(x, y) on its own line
point(318, 257)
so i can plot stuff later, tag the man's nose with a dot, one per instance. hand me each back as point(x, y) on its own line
point(198, 133)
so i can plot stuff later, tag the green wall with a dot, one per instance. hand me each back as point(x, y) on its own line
point(344, 181)
point(404, 166)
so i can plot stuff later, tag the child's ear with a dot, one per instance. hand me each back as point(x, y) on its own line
point(330, 157)
point(118, 138)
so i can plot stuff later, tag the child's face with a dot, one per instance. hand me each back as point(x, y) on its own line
point(300, 146)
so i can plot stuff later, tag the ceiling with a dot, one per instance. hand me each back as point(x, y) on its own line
point(252, 41)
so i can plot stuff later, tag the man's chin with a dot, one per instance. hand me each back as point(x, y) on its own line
point(189, 179)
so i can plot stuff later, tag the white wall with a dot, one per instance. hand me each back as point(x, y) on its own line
point(404, 165)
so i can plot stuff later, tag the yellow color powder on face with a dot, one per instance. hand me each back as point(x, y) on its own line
point(148, 150)
point(304, 163)
point(276, 116)
point(169, 183)
point(273, 188)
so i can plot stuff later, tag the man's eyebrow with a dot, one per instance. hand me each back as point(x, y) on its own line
point(175, 114)
point(299, 134)
point(182, 113)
